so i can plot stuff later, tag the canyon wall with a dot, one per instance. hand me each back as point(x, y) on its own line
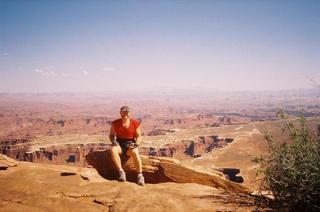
point(74, 154)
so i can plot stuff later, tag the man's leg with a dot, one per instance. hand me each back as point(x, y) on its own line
point(115, 155)
point(134, 153)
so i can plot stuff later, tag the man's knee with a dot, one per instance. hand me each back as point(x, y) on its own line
point(115, 150)
point(134, 152)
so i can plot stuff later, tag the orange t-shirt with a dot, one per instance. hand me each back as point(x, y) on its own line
point(125, 133)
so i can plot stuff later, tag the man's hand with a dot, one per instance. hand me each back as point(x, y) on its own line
point(114, 142)
point(133, 145)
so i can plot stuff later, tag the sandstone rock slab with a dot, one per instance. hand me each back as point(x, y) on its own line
point(6, 162)
point(160, 170)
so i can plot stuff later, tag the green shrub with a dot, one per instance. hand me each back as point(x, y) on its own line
point(292, 169)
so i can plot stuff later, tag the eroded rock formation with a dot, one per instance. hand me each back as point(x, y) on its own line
point(69, 188)
point(24, 150)
point(161, 169)
point(6, 162)
point(156, 132)
point(78, 154)
point(190, 148)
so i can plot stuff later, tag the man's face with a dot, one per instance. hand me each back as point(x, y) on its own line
point(124, 114)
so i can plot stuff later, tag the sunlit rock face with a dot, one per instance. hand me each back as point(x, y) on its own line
point(68, 188)
point(82, 155)
point(160, 170)
point(74, 154)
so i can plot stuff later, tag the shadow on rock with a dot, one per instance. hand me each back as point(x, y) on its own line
point(160, 170)
point(102, 162)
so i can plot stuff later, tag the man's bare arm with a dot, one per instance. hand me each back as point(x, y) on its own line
point(112, 134)
point(138, 136)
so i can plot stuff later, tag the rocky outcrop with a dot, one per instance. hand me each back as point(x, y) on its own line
point(155, 169)
point(161, 169)
point(6, 162)
point(74, 154)
point(190, 148)
point(225, 120)
point(78, 154)
point(69, 154)
point(13, 141)
point(156, 132)
point(43, 187)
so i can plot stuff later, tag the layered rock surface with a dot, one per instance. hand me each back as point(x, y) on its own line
point(74, 153)
point(6, 162)
point(42, 187)
point(161, 169)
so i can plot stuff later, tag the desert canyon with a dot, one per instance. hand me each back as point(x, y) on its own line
point(197, 149)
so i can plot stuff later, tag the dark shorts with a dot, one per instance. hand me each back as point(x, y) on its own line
point(125, 145)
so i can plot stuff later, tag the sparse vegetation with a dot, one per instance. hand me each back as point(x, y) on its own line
point(292, 169)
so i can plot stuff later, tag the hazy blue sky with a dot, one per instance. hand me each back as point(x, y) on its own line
point(107, 45)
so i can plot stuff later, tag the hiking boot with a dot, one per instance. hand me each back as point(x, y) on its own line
point(122, 177)
point(140, 180)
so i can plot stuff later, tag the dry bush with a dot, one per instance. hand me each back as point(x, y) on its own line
point(292, 170)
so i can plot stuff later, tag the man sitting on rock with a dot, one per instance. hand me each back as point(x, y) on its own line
point(125, 135)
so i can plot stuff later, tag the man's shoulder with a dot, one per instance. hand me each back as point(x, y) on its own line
point(135, 122)
point(117, 121)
